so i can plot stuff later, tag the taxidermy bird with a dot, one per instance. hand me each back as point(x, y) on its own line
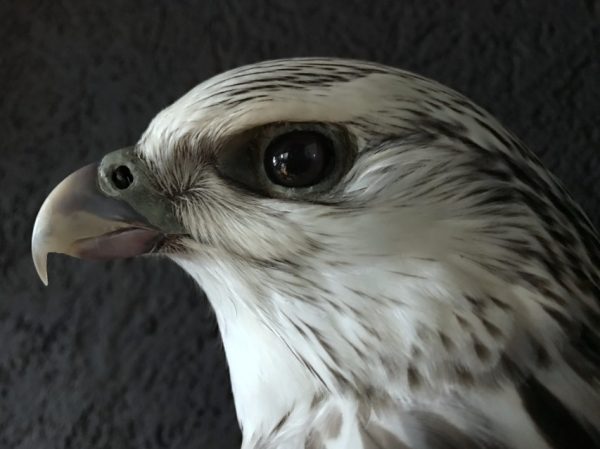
point(389, 266)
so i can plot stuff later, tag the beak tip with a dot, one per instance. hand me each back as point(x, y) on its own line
point(38, 252)
point(40, 262)
point(44, 280)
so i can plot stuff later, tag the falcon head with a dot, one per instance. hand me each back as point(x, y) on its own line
point(361, 232)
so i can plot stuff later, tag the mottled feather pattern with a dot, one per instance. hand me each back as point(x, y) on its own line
point(443, 294)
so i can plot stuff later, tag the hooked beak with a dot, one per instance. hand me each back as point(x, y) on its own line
point(86, 217)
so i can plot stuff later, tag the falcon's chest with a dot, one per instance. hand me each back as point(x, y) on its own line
point(328, 423)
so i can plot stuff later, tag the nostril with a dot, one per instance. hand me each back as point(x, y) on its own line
point(122, 177)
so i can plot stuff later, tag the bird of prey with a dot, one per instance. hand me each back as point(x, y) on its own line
point(389, 266)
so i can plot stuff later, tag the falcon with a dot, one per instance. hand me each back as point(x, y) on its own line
point(389, 266)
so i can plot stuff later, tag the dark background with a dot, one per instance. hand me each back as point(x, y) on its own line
point(127, 354)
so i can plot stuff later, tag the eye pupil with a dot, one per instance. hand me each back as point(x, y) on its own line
point(298, 159)
point(122, 177)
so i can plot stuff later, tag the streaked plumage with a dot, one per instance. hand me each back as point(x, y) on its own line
point(442, 293)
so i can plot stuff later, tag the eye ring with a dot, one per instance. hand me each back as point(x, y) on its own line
point(298, 159)
point(241, 160)
point(121, 177)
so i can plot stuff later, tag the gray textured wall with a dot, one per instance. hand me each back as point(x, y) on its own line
point(127, 354)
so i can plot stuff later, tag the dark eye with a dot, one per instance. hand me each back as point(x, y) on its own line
point(122, 177)
point(290, 160)
point(299, 159)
